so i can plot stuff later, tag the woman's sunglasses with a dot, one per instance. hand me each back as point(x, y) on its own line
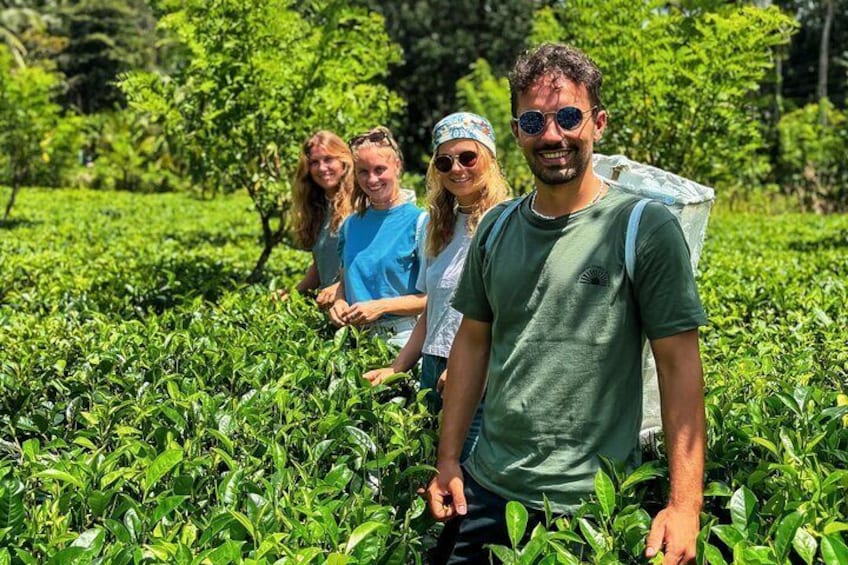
point(444, 163)
point(532, 122)
point(371, 137)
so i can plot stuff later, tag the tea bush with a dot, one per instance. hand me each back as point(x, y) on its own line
point(155, 409)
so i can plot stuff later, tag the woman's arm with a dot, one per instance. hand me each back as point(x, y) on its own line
point(406, 358)
point(340, 308)
point(371, 310)
point(309, 281)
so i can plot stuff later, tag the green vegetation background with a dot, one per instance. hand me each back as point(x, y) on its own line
point(156, 409)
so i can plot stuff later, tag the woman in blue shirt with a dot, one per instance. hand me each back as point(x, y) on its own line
point(321, 195)
point(378, 244)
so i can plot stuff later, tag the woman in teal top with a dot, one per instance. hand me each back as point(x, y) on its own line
point(321, 193)
point(378, 244)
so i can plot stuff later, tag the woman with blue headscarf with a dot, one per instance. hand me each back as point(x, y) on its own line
point(463, 182)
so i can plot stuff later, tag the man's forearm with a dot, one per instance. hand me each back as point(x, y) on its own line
point(682, 393)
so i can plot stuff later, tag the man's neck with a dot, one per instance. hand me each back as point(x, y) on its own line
point(562, 199)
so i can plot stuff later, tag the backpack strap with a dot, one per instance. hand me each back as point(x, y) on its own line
point(630, 238)
point(499, 224)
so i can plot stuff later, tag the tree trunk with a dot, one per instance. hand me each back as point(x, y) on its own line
point(268, 241)
point(824, 55)
point(11, 202)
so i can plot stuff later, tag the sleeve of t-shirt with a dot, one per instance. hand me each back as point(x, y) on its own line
point(664, 281)
point(471, 298)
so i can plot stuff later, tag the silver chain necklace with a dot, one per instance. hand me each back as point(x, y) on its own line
point(546, 217)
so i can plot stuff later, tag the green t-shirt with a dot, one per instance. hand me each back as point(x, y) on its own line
point(564, 380)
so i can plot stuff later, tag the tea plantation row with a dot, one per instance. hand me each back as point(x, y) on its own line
point(155, 409)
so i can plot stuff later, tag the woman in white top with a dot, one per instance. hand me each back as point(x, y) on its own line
point(463, 181)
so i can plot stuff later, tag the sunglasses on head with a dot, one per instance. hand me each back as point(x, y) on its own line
point(372, 137)
point(532, 122)
point(444, 163)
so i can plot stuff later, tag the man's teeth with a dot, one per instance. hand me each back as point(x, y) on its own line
point(553, 154)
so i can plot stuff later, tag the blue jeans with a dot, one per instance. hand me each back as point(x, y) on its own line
point(431, 368)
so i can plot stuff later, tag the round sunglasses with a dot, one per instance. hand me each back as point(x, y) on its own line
point(532, 122)
point(444, 163)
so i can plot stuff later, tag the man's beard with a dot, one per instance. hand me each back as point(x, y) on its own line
point(577, 162)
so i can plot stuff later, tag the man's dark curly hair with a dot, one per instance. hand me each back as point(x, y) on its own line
point(554, 58)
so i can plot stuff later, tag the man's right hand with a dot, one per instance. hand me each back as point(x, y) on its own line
point(446, 492)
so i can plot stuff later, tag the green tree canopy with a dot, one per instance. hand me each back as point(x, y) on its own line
point(262, 76)
point(680, 82)
point(104, 38)
point(29, 121)
point(441, 39)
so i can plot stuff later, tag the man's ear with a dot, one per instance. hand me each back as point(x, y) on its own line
point(514, 126)
point(600, 124)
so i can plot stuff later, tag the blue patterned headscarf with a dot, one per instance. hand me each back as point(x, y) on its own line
point(464, 125)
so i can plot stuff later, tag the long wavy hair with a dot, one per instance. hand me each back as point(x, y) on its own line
point(310, 201)
point(379, 136)
point(442, 204)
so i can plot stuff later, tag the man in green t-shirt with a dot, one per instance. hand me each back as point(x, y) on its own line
point(553, 330)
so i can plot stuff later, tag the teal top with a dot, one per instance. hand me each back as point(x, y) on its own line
point(325, 252)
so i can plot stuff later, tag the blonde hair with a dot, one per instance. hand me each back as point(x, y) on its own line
point(310, 201)
point(380, 137)
point(442, 204)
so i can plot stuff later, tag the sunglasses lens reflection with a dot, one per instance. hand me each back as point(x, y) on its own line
point(569, 117)
point(531, 122)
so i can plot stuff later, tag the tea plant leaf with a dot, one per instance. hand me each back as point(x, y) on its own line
point(362, 532)
point(5, 556)
point(595, 538)
point(165, 506)
point(713, 555)
point(605, 493)
point(644, 472)
point(718, 489)
point(833, 550)
point(785, 534)
point(337, 559)
point(729, 535)
point(563, 554)
point(805, 545)
point(769, 445)
point(12, 511)
point(516, 522)
point(244, 521)
point(502, 553)
point(835, 528)
point(743, 503)
point(224, 554)
point(160, 466)
point(215, 526)
point(61, 476)
point(91, 541)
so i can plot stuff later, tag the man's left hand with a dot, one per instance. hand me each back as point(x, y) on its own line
point(674, 531)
